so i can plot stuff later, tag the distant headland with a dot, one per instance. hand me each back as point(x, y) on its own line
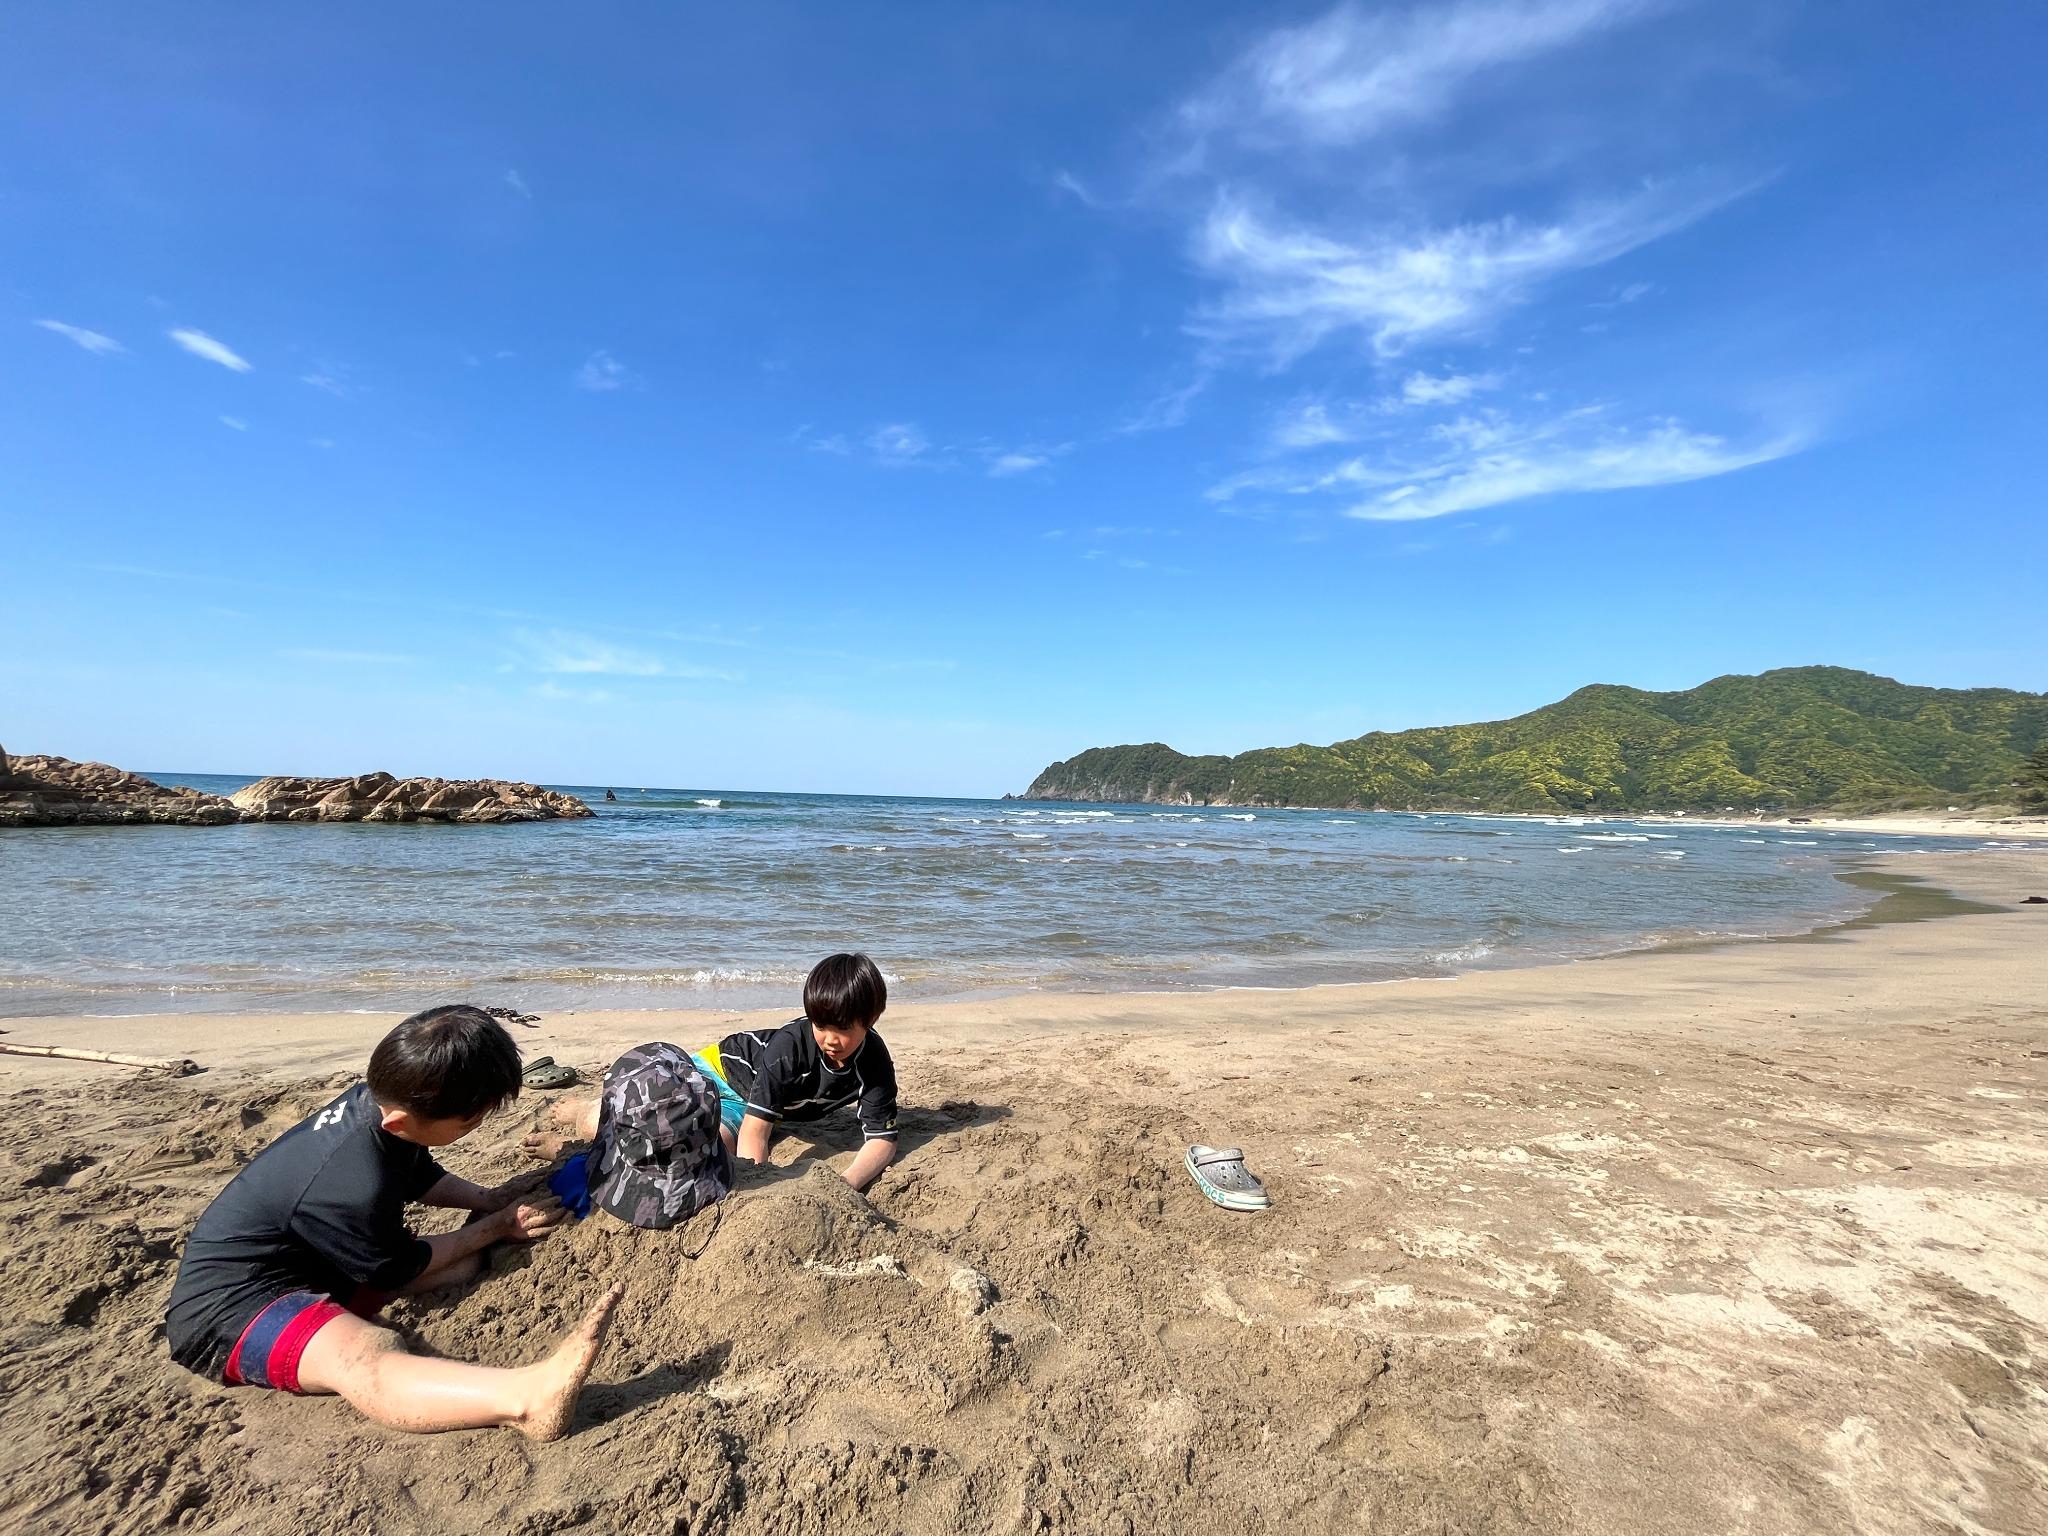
point(1797, 738)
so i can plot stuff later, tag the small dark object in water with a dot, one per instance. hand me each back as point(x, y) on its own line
point(513, 1015)
point(612, 795)
point(2035, 901)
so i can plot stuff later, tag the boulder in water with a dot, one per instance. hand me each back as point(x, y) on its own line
point(380, 797)
point(39, 791)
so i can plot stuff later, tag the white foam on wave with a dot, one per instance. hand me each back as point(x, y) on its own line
point(1793, 842)
point(1753, 842)
point(1339, 821)
point(711, 805)
point(1579, 848)
point(1617, 837)
point(1031, 836)
point(1239, 816)
point(1672, 853)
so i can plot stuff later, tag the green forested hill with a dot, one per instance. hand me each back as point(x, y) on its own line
point(1804, 737)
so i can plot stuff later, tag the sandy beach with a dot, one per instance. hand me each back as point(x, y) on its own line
point(1751, 1238)
point(2003, 828)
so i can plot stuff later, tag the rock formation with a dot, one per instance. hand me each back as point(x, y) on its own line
point(380, 797)
point(56, 792)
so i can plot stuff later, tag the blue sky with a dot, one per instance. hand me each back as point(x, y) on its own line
point(897, 398)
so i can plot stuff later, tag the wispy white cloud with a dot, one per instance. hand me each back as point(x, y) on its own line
point(1355, 74)
point(1307, 424)
point(1628, 294)
point(1665, 453)
point(234, 423)
point(564, 653)
point(1287, 289)
point(1487, 458)
point(199, 344)
point(835, 443)
point(1441, 389)
point(1306, 243)
point(517, 183)
point(906, 445)
point(602, 372)
point(1075, 188)
point(329, 380)
point(899, 444)
point(349, 658)
point(1022, 459)
point(1168, 409)
point(1006, 464)
point(92, 341)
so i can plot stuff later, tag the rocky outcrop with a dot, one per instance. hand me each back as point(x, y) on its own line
point(56, 792)
point(380, 797)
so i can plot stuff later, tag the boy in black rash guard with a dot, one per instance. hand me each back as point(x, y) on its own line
point(826, 1060)
point(285, 1268)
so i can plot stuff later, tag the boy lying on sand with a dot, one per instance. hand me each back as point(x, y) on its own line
point(280, 1277)
point(811, 1066)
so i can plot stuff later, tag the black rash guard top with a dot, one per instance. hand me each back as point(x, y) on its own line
point(322, 1208)
point(783, 1075)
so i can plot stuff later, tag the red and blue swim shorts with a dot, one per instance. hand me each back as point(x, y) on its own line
point(267, 1354)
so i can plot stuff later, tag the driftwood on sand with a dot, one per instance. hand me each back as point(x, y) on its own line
point(177, 1066)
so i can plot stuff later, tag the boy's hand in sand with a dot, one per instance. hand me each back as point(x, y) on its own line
point(529, 1220)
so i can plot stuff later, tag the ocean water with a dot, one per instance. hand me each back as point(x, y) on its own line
point(715, 898)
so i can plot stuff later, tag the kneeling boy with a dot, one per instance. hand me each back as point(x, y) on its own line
point(282, 1273)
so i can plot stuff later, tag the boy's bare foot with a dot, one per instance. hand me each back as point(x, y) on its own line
point(558, 1379)
point(545, 1145)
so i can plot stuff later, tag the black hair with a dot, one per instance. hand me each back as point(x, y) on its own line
point(445, 1063)
point(843, 991)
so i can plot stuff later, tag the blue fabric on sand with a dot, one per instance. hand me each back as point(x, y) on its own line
point(731, 1107)
point(571, 1185)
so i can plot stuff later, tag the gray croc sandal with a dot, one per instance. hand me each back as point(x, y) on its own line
point(547, 1075)
point(1220, 1173)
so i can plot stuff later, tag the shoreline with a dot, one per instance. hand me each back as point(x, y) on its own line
point(1929, 823)
point(1900, 896)
point(1918, 887)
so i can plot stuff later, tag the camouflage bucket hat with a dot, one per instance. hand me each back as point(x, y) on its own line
point(658, 1159)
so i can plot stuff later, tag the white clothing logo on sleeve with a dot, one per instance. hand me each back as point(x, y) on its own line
point(331, 1115)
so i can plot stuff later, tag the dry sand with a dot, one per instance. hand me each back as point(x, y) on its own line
point(1752, 1239)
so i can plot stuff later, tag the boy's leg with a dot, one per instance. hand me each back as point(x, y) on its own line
point(370, 1367)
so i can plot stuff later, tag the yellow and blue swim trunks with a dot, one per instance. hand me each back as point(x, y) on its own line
point(731, 1107)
